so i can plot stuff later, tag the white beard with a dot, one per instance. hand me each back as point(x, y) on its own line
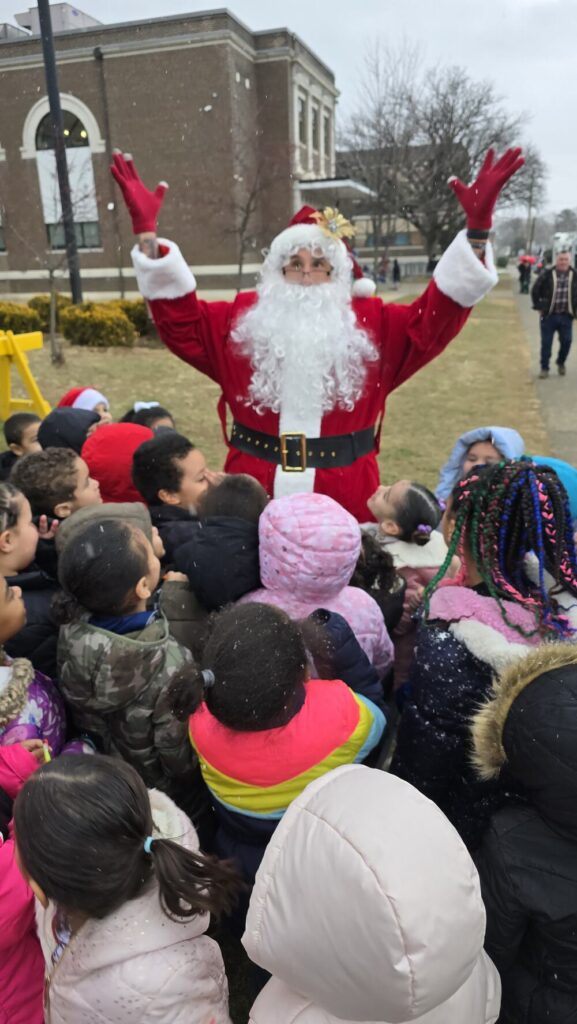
point(303, 343)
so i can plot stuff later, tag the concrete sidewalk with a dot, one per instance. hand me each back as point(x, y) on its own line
point(557, 395)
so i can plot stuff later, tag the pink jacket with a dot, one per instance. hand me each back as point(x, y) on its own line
point(136, 965)
point(309, 546)
point(21, 962)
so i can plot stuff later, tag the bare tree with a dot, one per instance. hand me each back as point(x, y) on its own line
point(566, 220)
point(377, 137)
point(456, 121)
point(527, 189)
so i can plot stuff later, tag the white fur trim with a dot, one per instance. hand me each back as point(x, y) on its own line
point(88, 398)
point(305, 235)
point(291, 420)
point(364, 288)
point(488, 645)
point(168, 277)
point(462, 276)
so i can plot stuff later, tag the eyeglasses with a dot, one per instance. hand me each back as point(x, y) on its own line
point(298, 274)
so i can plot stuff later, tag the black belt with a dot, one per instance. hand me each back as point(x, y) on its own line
point(295, 451)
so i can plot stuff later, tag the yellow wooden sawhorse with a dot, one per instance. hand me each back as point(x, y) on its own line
point(13, 348)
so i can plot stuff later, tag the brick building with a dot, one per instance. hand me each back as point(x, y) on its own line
point(240, 123)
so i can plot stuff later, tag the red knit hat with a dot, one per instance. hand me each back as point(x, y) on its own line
point(310, 227)
point(108, 455)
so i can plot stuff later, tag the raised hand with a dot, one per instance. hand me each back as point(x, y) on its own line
point(478, 199)
point(142, 204)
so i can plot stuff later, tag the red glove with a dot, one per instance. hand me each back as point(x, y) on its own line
point(143, 205)
point(478, 200)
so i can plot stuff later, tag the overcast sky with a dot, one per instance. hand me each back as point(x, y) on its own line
point(528, 48)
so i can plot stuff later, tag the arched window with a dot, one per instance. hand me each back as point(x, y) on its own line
point(79, 129)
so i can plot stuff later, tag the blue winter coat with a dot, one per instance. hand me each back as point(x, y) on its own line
point(349, 662)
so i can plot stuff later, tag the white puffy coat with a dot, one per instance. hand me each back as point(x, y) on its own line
point(136, 966)
point(367, 908)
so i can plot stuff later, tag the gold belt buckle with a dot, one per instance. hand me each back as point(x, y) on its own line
point(284, 452)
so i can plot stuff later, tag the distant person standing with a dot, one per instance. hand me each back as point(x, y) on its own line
point(524, 270)
point(396, 275)
point(554, 294)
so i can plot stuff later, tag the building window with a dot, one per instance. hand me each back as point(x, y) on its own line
point(402, 238)
point(302, 117)
point(316, 128)
point(75, 133)
point(87, 235)
point(327, 136)
point(81, 177)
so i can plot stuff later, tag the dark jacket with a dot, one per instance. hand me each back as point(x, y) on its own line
point(175, 526)
point(220, 560)
point(543, 291)
point(528, 861)
point(66, 428)
point(457, 656)
point(348, 661)
point(7, 462)
point(38, 639)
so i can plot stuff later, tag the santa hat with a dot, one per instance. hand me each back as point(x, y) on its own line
point(108, 454)
point(327, 231)
point(83, 398)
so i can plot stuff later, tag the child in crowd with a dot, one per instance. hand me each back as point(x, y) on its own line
point(21, 435)
point(262, 728)
point(174, 598)
point(56, 482)
point(150, 414)
point(21, 960)
point(375, 572)
point(528, 860)
point(517, 587)
point(367, 908)
point(116, 657)
point(171, 475)
point(18, 543)
point(482, 446)
point(123, 898)
point(88, 399)
point(108, 454)
point(31, 707)
point(221, 559)
point(407, 517)
point(309, 547)
point(67, 428)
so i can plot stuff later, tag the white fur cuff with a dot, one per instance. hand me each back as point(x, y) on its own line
point(168, 277)
point(462, 276)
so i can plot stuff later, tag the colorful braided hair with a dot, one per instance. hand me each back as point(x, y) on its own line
point(503, 513)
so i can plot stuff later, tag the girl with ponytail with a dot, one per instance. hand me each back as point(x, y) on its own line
point(510, 525)
point(124, 897)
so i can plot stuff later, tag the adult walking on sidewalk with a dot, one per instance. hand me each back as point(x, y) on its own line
point(554, 294)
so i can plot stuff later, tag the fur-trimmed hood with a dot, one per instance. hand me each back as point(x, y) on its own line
point(529, 724)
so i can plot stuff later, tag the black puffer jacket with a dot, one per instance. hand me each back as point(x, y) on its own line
point(38, 640)
point(175, 526)
point(7, 462)
point(220, 559)
point(528, 861)
point(543, 291)
point(348, 661)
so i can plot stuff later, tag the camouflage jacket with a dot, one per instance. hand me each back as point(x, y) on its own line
point(115, 688)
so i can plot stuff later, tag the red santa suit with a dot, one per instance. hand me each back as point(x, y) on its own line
point(406, 338)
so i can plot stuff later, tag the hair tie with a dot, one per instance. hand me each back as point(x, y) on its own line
point(424, 528)
point(148, 844)
point(442, 504)
point(140, 406)
point(208, 679)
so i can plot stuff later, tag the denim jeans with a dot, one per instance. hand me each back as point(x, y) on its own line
point(562, 323)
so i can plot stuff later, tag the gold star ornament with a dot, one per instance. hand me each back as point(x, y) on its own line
point(333, 224)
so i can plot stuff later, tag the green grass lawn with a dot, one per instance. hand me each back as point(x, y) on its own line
point(482, 378)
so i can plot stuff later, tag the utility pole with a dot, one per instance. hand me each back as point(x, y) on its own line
point(59, 148)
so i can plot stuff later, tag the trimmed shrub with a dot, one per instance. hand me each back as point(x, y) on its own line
point(137, 312)
point(502, 262)
point(97, 326)
point(41, 303)
point(18, 318)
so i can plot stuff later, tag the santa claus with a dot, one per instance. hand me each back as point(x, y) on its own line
point(305, 363)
